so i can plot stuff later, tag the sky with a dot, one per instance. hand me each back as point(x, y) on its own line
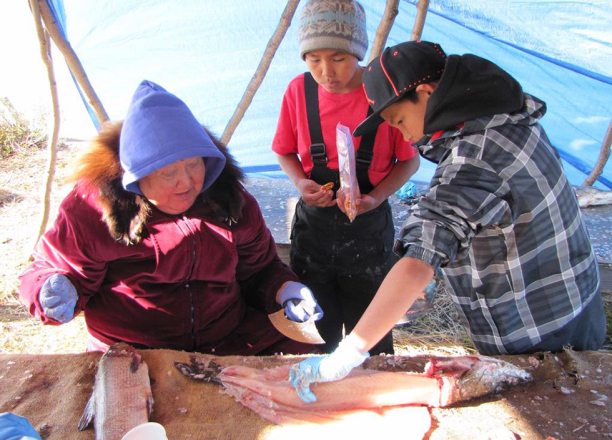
point(23, 76)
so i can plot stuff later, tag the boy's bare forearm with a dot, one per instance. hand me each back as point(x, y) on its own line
point(292, 167)
point(399, 175)
point(400, 288)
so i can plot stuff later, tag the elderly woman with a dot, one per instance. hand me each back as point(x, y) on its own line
point(161, 246)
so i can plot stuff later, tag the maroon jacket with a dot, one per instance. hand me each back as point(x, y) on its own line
point(204, 280)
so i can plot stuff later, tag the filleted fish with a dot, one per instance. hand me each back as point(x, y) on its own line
point(444, 382)
point(591, 196)
point(122, 397)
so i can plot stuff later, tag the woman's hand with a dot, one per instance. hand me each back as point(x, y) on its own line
point(58, 298)
point(313, 195)
point(299, 302)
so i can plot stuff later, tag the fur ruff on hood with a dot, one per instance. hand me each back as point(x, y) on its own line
point(125, 213)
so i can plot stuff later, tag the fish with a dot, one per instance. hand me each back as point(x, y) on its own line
point(444, 382)
point(121, 398)
point(467, 377)
point(591, 196)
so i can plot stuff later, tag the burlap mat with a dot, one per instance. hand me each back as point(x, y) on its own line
point(51, 391)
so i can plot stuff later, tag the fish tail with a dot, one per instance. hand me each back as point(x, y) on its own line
point(88, 413)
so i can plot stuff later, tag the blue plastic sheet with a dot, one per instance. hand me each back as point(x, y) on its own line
point(206, 52)
point(16, 427)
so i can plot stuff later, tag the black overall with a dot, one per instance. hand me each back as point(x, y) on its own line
point(343, 263)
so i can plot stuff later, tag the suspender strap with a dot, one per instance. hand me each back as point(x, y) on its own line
point(363, 158)
point(317, 147)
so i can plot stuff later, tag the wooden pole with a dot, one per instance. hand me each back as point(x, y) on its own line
point(419, 21)
point(604, 154)
point(45, 53)
point(384, 27)
point(261, 71)
point(71, 59)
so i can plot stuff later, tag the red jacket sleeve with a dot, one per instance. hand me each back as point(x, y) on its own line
point(260, 271)
point(65, 248)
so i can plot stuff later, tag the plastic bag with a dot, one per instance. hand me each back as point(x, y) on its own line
point(408, 191)
point(348, 173)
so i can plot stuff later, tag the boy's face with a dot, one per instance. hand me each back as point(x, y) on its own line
point(409, 117)
point(335, 71)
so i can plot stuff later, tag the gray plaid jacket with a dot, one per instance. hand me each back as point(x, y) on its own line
point(502, 221)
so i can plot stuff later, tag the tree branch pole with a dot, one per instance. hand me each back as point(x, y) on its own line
point(261, 71)
point(419, 21)
point(71, 59)
point(604, 154)
point(384, 28)
point(45, 53)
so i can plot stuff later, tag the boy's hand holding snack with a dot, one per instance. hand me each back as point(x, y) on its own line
point(313, 194)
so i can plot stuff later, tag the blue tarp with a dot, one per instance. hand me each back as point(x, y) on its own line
point(206, 52)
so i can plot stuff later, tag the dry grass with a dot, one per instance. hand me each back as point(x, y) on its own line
point(21, 179)
point(438, 332)
point(607, 303)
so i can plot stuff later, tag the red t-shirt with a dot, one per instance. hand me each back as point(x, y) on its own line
point(350, 109)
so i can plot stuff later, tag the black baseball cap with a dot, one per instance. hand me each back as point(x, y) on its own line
point(395, 72)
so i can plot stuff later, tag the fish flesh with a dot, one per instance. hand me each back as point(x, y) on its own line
point(121, 398)
point(405, 422)
point(362, 389)
point(444, 382)
point(302, 422)
point(591, 196)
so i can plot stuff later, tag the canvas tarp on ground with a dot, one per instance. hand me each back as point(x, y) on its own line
point(206, 52)
point(51, 391)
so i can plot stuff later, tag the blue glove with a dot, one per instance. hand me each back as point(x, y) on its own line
point(334, 366)
point(299, 303)
point(58, 298)
point(431, 288)
point(14, 427)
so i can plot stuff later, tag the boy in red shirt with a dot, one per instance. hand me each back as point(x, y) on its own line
point(343, 262)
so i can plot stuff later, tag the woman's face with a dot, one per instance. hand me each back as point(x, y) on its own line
point(174, 188)
point(335, 71)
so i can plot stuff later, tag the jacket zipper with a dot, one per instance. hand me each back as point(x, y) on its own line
point(187, 286)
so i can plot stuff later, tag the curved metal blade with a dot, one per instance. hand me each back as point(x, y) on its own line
point(298, 331)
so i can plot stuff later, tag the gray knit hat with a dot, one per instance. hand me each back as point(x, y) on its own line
point(333, 24)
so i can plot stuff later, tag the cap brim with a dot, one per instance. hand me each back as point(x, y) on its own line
point(374, 120)
point(369, 124)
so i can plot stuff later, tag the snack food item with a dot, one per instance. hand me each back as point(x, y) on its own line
point(346, 167)
point(328, 185)
point(348, 207)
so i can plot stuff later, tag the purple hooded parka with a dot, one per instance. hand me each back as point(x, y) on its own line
point(203, 280)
